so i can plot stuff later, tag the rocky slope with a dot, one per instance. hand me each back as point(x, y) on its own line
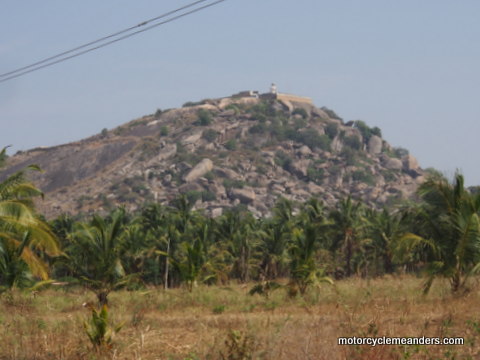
point(222, 153)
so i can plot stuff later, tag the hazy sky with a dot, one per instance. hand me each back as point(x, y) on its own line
point(410, 67)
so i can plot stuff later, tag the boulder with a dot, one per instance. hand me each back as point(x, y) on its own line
point(167, 179)
point(245, 195)
point(375, 145)
point(192, 139)
point(218, 190)
point(167, 152)
point(288, 105)
point(313, 188)
point(199, 170)
point(227, 113)
point(278, 188)
point(320, 113)
point(393, 164)
point(337, 144)
point(409, 163)
point(304, 151)
point(210, 146)
point(300, 167)
point(420, 179)
point(216, 212)
point(227, 173)
point(189, 187)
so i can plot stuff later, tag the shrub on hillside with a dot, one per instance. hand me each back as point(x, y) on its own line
point(299, 111)
point(366, 131)
point(264, 108)
point(283, 160)
point(331, 130)
point(400, 152)
point(204, 117)
point(350, 156)
point(260, 128)
point(363, 176)
point(231, 144)
point(236, 184)
point(313, 139)
point(315, 175)
point(352, 142)
point(210, 135)
point(164, 130)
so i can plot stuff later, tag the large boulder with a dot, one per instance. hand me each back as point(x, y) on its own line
point(393, 164)
point(227, 173)
point(409, 163)
point(300, 167)
point(375, 145)
point(185, 188)
point(337, 144)
point(199, 170)
point(167, 152)
point(245, 195)
point(304, 151)
point(192, 139)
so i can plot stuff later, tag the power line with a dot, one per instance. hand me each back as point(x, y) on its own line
point(143, 23)
point(47, 62)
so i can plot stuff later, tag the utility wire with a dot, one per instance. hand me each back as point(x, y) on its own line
point(143, 23)
point(38, 65)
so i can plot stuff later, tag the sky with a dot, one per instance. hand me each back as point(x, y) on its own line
point(410, 67)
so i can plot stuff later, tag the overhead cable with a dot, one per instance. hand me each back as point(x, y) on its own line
point(61, 57)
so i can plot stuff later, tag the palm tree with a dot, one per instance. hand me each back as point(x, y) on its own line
point(303, 268)
point(94, 255)
point(347, 224)
point(274, 249)
point(193, 258)
point(21, 230)
point(447, 230)
point(235, 230)
point(382, 232)
point(158, 227)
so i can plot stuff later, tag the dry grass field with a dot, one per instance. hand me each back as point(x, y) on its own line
point(227, 323)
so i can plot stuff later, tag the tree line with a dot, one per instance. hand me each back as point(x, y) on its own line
point(171, 246)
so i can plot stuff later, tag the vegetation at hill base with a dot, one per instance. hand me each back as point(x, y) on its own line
point(171, 246)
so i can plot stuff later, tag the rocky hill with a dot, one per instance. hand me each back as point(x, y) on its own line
point(244, 149)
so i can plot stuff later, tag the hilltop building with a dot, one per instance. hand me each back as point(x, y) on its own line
point(274, 95)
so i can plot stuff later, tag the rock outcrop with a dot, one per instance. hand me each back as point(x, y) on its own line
point(221, 153)
point(199, 170)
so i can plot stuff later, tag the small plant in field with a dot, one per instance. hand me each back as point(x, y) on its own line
point(192, 357)
point(474, 325)
point(238, 346)
point(98, 329)
point(271, 305)
point(219, 309)
point(138, 316)
point(265, 288)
